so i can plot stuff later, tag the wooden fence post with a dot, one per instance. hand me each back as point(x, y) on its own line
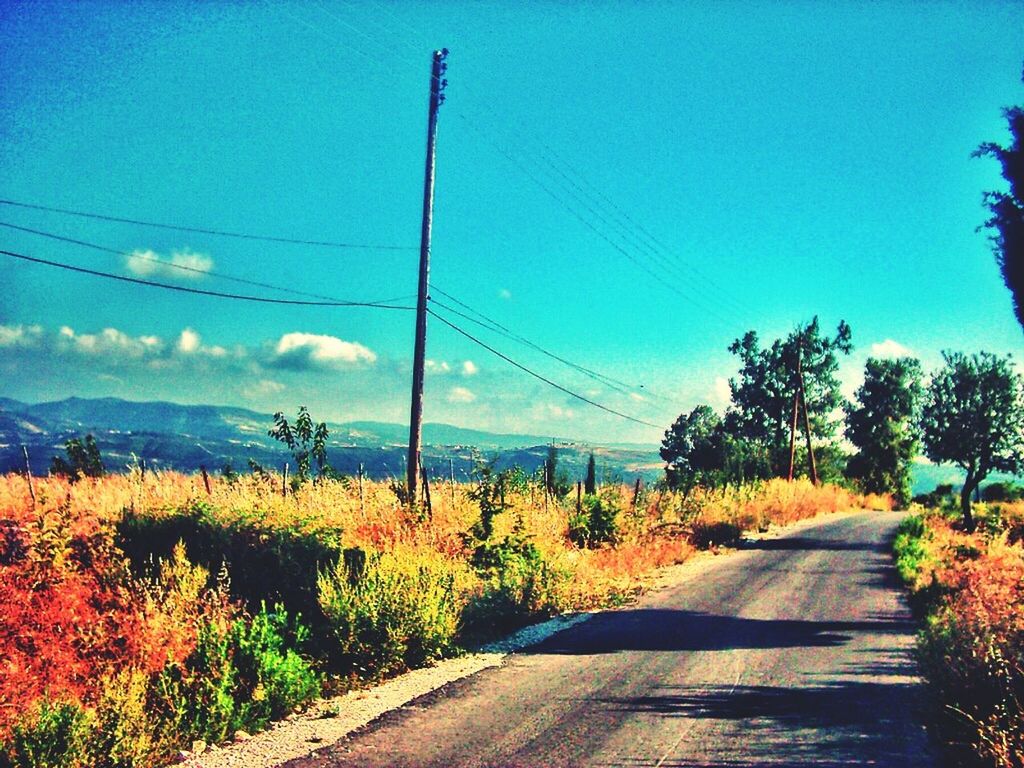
point(426, 491)
point(28, 475)
point(362, 496)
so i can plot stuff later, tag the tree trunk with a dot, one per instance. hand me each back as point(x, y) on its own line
point(965, 501)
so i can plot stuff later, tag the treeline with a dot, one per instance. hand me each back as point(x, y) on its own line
point(787, 416)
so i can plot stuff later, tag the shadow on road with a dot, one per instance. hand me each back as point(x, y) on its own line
point(842, 724)
point(811, 543)
point(676, 630)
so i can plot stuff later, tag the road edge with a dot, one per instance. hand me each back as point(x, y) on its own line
point(329, 720)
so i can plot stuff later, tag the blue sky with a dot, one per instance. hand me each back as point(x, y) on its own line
point(768, 161)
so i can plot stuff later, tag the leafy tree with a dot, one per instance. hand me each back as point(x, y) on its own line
point(692, 448)
point(883, 425)
point(1007, 208)
point(974, 417)
point(556, 482)
point(489, 494)
point(742, 460)
point(762, 395)
point(83, 460)
point(590, 482)
point(305, 440)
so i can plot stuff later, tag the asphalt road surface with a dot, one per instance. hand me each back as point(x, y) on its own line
point(791, 652)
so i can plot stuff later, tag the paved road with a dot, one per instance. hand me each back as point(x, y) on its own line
point(792, 652)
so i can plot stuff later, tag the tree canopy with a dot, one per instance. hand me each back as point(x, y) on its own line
point(762, 395)
point(1007, 208)
point(692, 448)
point(882, 424)
point(974, 417)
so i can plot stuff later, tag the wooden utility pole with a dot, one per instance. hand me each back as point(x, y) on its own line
point(807, 420)
point(792, 434)
point(419, 354)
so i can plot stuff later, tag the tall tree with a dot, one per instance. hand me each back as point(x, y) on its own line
point(883, 425)
point(692, 448)
point(1007, 208)
point(762, 395)
point(974, 417)
point(590, 483)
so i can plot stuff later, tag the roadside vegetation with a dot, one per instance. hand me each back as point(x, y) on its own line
point(141, 612)
point(968, 590)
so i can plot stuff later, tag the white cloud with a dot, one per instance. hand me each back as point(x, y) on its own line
point(720, 395)
point(546, 411)
point(188, 342)
point(505, 294)
point(109, 342)
point(433, 366)
point(183, 264)
point(469, 368)
point(460, 395)
point(300, 351)
point(889, 348)
point(262, 388)
point(20, 335)
point(637, 397)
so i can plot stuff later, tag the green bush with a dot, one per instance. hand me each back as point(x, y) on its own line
point(194, 700)
point(239, 676)
point(518, 585)
point(53, 736)
point(908, 549)
point(273, 679)
point(125, 731)
point(596, 523)
point(268, 564)
point(395, 611)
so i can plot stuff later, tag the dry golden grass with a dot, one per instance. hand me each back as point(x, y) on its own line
point(656, 533)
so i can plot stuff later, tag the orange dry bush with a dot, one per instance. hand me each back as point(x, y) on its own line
point(972, 649)
point(70, 613)
point(67, 613)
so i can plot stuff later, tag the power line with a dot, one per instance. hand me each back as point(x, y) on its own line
point(660, 259)
point(538, 376)
point(204, 231)
point(589, 224)
point(199, 291)
point(583, 192)
point(185, 267)
point(619, 386)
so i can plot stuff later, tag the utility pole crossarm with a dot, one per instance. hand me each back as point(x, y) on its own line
point(437, 86)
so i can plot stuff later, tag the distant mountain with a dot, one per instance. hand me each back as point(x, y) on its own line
point(185, 437)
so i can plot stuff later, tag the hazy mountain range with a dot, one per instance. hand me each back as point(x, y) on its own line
point(186, 437)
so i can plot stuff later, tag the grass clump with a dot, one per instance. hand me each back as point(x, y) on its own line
point(394, 610)
point(54, 735)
